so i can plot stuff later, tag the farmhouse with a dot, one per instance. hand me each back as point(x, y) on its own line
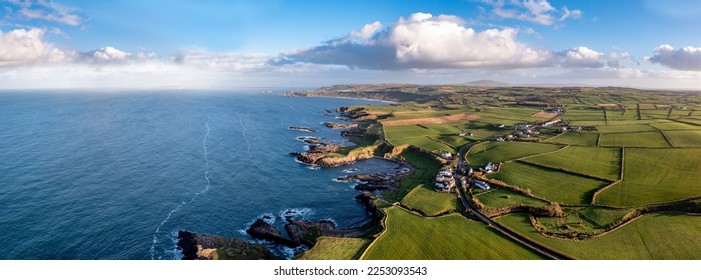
point(482, 185)
point(489, 167)
point(446, 155)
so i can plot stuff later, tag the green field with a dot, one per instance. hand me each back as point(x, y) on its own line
point(684, 139)
point(656, 176)
point(625, 128)
point(424, 169)
point(599, 162)
point(452, 237)
point(430, 202)
point(576, 138)
point(675, 126)
point(634, 139)
point(422, 142)
point(654, 236)
point(550, 184)
point(503, 197)
point(584, 115)
point(504, 151)
point(335, 248)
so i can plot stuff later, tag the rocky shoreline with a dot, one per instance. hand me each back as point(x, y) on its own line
point(305, 232)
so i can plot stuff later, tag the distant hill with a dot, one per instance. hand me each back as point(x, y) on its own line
point(487, 83)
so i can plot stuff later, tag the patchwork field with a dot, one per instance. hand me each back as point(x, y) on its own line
point(452, 237)
point(553, 185)
point(625, 128)
point(599, 162)
point(634, 139)
point(684, 139)
point(575, 138)
point(434, 120)
point(584, 114)
point(656, 176)
point(655, 236)
point(430, 202)
point(504, 151)
point(503, 197)
point(336, 248)
point(675, 126)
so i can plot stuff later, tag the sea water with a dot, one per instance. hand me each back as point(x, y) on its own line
point(115, 175)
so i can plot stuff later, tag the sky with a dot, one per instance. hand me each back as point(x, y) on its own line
point(65, 44)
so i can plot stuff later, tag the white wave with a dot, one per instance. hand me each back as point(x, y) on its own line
point(296, 213)
point(155, 239)
point(244, 130)
point(351, 170)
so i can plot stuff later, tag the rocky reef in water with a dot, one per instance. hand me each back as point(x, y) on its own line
point(210, 247)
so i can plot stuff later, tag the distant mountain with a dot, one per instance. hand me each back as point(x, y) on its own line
point(488, 83)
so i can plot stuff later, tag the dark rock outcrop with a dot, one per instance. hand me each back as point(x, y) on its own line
point(340, 125)
point(262, 230)
point(372, 181)
point(306, 232)
point(209, 247)
point(301, 128)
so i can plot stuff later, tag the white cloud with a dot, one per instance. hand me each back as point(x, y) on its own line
point(566, 13)
point(46, 10)
point(687, 58)
point(580, 57)
point(424, 41)
point(535, 11)
point(22, 47)
point(367, 31)
point(227, 62)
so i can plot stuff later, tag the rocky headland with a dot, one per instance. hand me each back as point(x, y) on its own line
point(209, 247)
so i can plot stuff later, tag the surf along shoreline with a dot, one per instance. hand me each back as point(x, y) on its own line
point(302, 234)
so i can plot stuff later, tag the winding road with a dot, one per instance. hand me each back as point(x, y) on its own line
point(547, 252)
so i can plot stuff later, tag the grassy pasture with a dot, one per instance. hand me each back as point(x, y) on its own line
point(634, 139)
point(675, 126)
point(684, 139)
point(548, 183)
point(335, 248)
point(503, 197)
point(654, 236)
point(625, 128)
point(431, 202)
point(583, 115)
point(599, 162)
point(656, 176)
point(503, 151)
point(575, 138)
point(425, 169)
point(452, 237)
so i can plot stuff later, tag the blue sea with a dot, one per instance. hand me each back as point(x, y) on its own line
point(115, 175)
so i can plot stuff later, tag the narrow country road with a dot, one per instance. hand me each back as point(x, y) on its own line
point(498, 227)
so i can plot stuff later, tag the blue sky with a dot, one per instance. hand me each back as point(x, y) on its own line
point(231, 44)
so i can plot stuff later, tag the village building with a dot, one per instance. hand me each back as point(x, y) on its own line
point(482, 185)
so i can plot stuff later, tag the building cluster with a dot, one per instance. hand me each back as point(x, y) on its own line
point(445, 180)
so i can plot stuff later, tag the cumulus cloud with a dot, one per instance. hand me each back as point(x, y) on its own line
point(423, 41)
point(580, 57)
point(22, 47)
point(46, 10)
point(687, 58)
point(535, 11)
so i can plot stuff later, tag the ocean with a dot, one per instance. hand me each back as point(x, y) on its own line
point(115, 175)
